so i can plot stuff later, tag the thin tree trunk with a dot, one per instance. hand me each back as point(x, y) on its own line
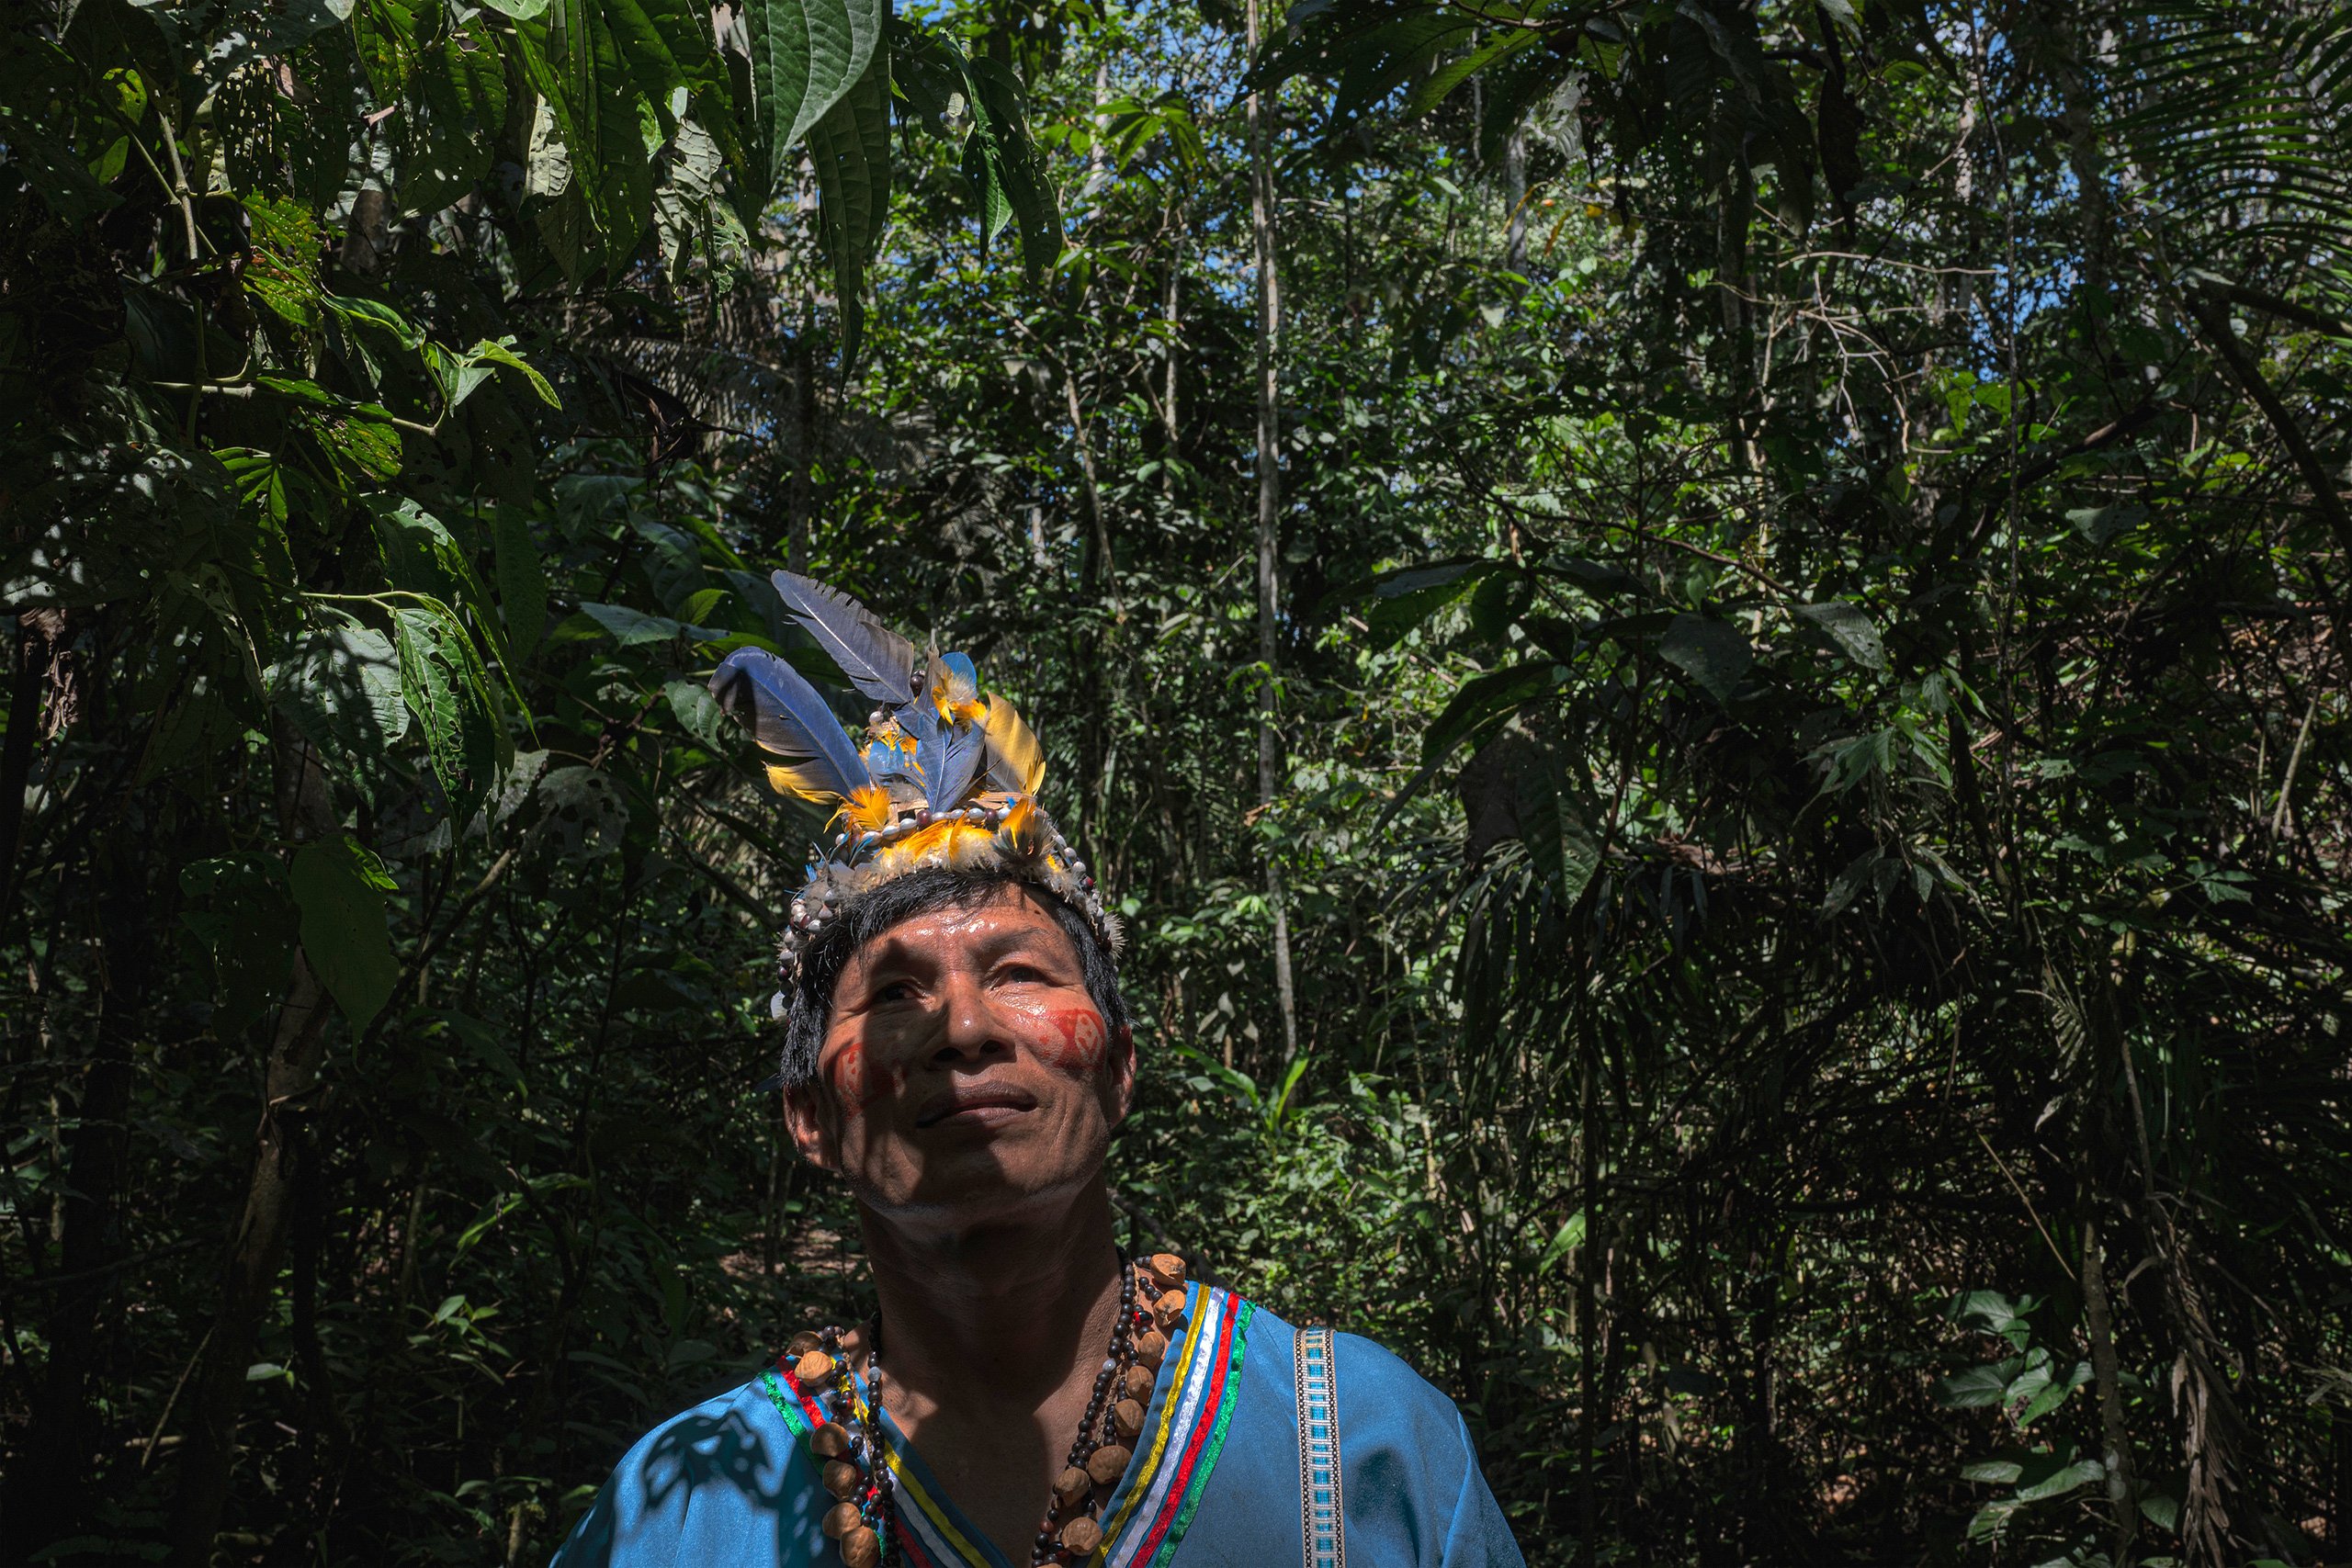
point(249, 1270)
point(1269, 501)
point(2100, 1318)
point(1515, 193)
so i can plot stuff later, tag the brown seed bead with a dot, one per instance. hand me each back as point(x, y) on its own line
point(1072, 1486)
point(1138, 1384)
point(1081, 1535)
point(1151, 1348)
point(1169, 1269)
point(841, 1518)
point(842, 1478)
point(1108, 1463)
point(1169, 1310)
point(830, 1440)
point(1128, 1415)
point(861, 1549)
point(813, 1368)
point(802, 1343)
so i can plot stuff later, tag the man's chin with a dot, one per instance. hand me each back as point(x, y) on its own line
point(976, 1187)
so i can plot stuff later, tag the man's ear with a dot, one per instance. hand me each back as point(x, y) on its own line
point(1122, 1065)
point(808, 1117)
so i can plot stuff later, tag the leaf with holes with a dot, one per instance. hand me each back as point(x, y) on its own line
point(445, 684)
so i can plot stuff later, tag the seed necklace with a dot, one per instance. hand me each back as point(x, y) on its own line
point(855, 1450)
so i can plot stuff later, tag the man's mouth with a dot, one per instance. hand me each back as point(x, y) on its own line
point(976, 1104)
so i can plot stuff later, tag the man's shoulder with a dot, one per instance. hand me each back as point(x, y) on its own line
point(735, 1432)
point(725, 1475)
point(1368, 1370)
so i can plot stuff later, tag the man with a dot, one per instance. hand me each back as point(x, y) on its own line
point(957, 1049)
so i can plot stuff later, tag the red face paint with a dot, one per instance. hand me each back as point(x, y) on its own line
point(854, 1086)
point(1073, 1039)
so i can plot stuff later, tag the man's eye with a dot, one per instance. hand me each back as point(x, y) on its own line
point(896, 991)
point(1022, 974)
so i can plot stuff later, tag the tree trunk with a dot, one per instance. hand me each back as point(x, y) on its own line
point(1269, 501)
point(2098, 1317)
point(249, 1270)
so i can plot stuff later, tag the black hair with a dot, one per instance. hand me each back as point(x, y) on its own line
point(809, 1002)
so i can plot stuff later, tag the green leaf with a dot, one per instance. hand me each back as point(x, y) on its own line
point(501, 352)
point(602, 112)
point(445, 684)
point(699, 713)
point(1555, 823)
point(1979, 1385)
point(282, 271)
point(1851, 629)
point(377, 316)
point(1710, 651)
point(2101, 523)
point(849, 148)
point(447, 132)
point(1014, 173)
point(339, 888)
point(1567, 1239)
point(340, 685)
point(2060, 1481)
point(806, 56)
point(421, 557)
point(630, 627)
point(1410, 595)
point(521, 583)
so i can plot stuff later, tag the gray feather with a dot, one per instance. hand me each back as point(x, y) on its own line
point(877, 661)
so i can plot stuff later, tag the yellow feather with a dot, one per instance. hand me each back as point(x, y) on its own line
point(786, 780)
point(868, 809)
point(1013, 741)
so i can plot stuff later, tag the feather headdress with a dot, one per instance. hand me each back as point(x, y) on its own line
point(945, 776)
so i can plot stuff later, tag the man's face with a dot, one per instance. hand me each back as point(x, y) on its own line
point(965, 1070)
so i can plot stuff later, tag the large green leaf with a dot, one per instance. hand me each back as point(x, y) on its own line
point(339, 888)
point(445, 684)
point(340, 685)
point(850, 146)
point(806, 56)
point(445, 134)
point(601, 107)
point(1710, 651)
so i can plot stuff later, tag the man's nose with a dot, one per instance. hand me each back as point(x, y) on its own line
point(973, 1031)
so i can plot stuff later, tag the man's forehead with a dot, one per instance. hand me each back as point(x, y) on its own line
point(1006, 917)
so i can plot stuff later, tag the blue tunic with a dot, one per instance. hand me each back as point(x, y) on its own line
point(1214, 1479)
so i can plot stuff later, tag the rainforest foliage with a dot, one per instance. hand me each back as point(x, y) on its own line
point(1706, 644)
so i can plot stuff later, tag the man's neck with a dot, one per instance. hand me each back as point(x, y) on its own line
point(1005, 1314)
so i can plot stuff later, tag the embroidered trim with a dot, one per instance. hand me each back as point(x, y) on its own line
point(1322, 1524)
point(923, 1524)
point(1162, 1491)
point(800, 1413)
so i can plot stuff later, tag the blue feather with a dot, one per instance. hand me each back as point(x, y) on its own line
point(962, 750)
point(785, 714)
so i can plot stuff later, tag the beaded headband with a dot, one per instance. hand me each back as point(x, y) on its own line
point(946, 778)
